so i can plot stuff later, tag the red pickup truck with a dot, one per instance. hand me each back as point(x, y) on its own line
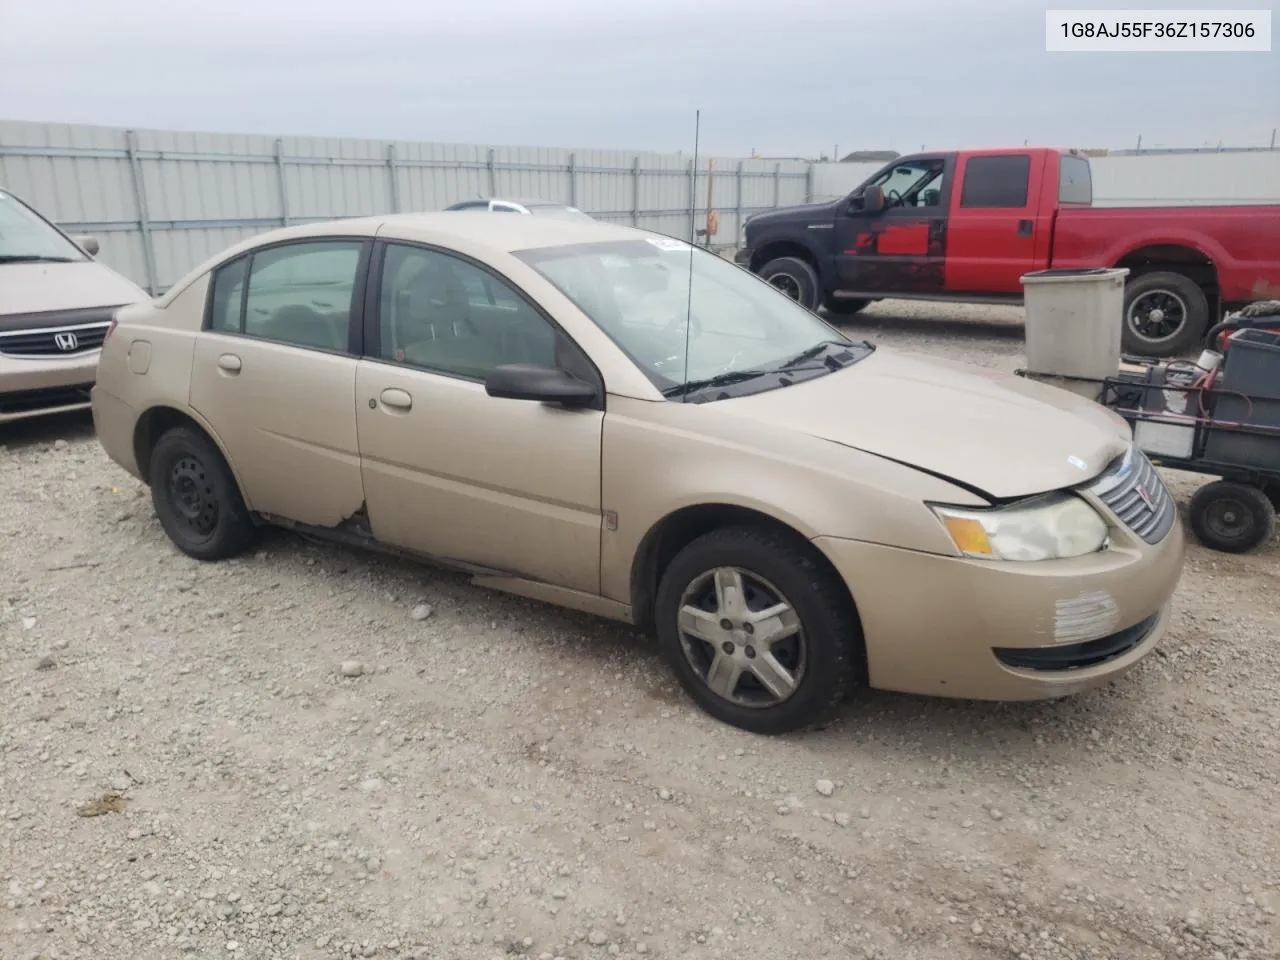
point(966, 225)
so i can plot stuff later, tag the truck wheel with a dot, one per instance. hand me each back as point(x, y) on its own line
point(1165, 314)
point(1232, 517)
point(844, 307)
point(797, 279)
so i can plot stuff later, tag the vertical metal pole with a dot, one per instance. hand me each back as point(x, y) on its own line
point(493, 174)
point(393, 179)
point(144, 218)
point(573, 180)
point(777, 184)
point(737, 204)
point(635, 191)
point(808, 184)
point(280, 181)
point(693, 202)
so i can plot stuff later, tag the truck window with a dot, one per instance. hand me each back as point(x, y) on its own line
point(914, 183)
point(1075, 180)
point(996, 181)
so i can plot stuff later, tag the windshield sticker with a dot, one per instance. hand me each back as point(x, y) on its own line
point(668, 243)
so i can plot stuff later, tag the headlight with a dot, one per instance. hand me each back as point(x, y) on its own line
point(1051, 527)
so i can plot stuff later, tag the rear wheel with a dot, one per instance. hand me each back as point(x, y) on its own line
point(759, 633)
point(794, 277)
point(1232, 517)
point(1165, 314)
point(196, 497)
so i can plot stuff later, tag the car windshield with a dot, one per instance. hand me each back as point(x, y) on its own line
point(26, 237)
point(744, 332)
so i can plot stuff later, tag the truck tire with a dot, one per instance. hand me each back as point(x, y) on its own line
point(795, 278)
point(1165, 314)
point(845, 307)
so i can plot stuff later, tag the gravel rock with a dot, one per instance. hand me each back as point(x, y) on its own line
point(421, 612)
point(825, 787)
point(351, 668)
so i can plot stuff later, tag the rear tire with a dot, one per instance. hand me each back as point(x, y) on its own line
point(1232, 517)
point(843, 307)
point(796, 278)
point(739, 675)
point(196, 497)
point(1165, 315)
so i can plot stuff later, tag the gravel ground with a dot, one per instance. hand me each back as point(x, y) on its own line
point(312, 753)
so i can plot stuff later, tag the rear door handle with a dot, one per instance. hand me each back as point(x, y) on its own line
point(229, 362)
point(396, 399)
point(1025, 227)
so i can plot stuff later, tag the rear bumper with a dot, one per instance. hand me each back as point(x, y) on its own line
point(115, 421)
point(41, 386)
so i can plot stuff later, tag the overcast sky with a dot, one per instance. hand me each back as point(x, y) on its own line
point(784, 77)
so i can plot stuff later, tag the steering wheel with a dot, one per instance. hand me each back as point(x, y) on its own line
point(891, 197)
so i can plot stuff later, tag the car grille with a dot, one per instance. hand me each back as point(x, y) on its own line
point(1078, 656)
point(1132, 489)
point(53, 342)
point(30, 401)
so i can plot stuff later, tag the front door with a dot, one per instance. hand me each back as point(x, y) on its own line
point(274, 375)
point(903, 248)
point(450, 471)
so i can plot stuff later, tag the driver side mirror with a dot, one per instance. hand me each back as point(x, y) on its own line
point(531, 381)
point(872, 200)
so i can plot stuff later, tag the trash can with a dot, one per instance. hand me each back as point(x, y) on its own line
point(1074, 318)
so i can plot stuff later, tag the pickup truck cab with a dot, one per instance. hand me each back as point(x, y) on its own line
point(966, 225)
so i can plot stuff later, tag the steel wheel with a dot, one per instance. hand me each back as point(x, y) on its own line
point(192, 494)
point(742, 637)
point(1230, 516)
point(787, 284)
point(1157, 315)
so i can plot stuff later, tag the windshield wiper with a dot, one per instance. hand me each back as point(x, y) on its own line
point(719, 380)
point(814, 351)
point(32, 258)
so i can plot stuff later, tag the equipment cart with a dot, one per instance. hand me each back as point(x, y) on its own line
point(1218, 415)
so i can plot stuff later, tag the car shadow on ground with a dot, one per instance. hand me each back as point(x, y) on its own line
point(43, 430)
point(927, 326)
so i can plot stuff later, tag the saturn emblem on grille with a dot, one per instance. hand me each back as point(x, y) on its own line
point(66, 341)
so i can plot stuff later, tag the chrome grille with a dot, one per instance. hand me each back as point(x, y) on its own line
point(1132, 489)
point(68, 341)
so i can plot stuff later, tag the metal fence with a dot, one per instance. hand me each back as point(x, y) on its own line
point(160, 202)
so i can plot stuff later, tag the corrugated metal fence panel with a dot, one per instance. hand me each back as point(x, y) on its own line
point(161, 202)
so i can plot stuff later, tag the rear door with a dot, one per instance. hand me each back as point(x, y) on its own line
point(997, 222)
point(902, 249)
point(274, 375)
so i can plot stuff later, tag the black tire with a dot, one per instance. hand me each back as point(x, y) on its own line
point(796, 278)
point(845, 307)
point(830, 636)
point(1180, 324)
point(196, 497)
point(1232, 517)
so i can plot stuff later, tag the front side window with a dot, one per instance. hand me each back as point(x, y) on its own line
point(656, 296)
point(299, 293)
point(915, 183)
point(446, 315)
point(26, 237)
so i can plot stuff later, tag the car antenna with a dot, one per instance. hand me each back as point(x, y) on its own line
point(693, 221)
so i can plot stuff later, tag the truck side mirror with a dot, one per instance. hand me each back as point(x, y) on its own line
point(873, 199)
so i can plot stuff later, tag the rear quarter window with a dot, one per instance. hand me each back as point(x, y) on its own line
point(1075, 180)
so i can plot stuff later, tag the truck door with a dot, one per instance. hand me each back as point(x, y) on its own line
point(998, 220)
point(901, 249)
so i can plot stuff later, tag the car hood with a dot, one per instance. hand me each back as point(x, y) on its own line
point(994, 432)
point(46, 287)
point(804, 211)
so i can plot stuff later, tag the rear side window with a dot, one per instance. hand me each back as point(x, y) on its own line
point(996, 181)
point(1075, 180)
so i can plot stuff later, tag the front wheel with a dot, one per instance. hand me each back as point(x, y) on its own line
point(759, 633)
point(796, 278)
point(1165, 314)
point(1232, 517)
point(196, 497)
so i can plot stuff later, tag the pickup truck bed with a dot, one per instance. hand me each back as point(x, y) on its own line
point(966, 225)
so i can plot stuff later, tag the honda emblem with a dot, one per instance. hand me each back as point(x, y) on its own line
point(66, 342)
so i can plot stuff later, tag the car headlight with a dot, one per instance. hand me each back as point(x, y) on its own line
point(1050, 527)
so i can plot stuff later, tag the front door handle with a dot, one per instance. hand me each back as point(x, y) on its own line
point(1025, 227)
point(229, 362)
point(396, 399)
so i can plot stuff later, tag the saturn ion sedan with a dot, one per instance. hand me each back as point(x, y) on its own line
point(615, 421)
